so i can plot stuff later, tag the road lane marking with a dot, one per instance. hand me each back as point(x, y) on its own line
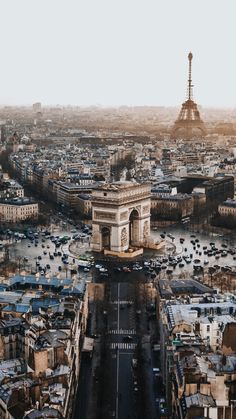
point(126, 353)
point(118, 357)
point(122, 332)
point(118, 308)
point(117, 384)
point(123, 345)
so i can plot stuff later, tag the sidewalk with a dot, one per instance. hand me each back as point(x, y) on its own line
point(87, 395)
point(92, 388)
point(148, 375)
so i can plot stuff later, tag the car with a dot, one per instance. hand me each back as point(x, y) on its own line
point(198, 268)
point(103, 270)
point(127, 338)
point(134, 363)
point(104, 274)
point(146, 263)
point(94, 336)
point(137, 267)
point(126, 269)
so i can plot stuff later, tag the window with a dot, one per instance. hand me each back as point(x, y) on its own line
point(208, 328)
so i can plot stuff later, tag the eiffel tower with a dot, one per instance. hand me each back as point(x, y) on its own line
point(189, 123)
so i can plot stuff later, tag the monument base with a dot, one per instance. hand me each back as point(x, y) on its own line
point(150, 244)
point(125, 255)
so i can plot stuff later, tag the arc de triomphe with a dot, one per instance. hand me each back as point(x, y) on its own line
point(120, 216)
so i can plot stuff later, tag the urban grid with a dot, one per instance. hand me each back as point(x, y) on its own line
point(118, 261)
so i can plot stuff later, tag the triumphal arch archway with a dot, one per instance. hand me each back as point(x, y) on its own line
point(120, 216)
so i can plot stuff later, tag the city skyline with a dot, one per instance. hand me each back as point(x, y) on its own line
point(119, 53)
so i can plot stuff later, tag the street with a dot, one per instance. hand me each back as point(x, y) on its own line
point(123, 384)
point(122, 342)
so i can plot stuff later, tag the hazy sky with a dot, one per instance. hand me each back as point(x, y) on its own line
point(114, 52)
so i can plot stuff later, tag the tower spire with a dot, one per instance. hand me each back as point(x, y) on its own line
point(189, 123)
point(190, 86)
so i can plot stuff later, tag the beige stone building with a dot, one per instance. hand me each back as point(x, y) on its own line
point(84, 204)
point(172, 206)
point(17, 209)
point(120, 216)
point(228, 208)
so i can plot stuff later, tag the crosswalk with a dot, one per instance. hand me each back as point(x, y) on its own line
point(122, 332)
point(123, 345)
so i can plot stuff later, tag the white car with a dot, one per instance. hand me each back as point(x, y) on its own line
point(103, 270)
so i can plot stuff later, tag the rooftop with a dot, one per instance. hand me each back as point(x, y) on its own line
point(182, 286)
point(200, 400)
point(41, 280)
point(17, 201)
point(51, 338)
point(118, 186)
point(46, 412)
point(178, 313)
point(229, 203)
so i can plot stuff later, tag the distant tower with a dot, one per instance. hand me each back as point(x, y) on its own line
point(189, 123)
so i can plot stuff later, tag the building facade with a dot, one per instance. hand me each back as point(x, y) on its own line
point(18, 209)
point(171, 207)
point(228, 208)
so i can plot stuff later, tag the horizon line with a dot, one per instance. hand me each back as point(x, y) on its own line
point(99, 105)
